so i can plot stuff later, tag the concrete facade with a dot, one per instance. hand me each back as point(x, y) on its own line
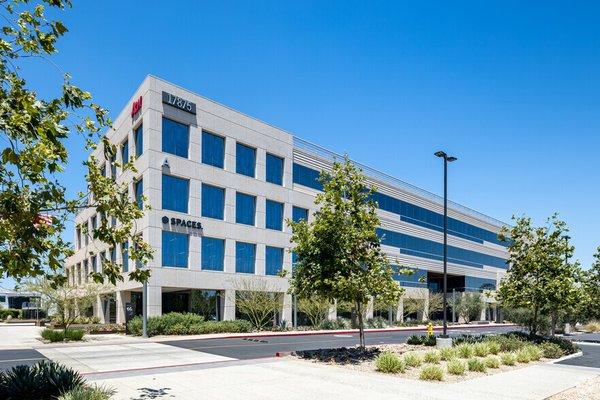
point(236, 127)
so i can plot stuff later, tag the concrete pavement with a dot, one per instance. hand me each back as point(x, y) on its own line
point(294, 379)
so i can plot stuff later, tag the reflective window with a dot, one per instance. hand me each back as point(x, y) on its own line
point(299, 213)
point(245, 257)
point(86, 270)
point(274, 217)
point(274, 169)
point(94, 264)
point(213, 149)
point(213, 201)
point(418, 277)
point(245, 208)
point(306, 177)
point(245, 160)
point(175, 137)
point(138, 188)
point(125, 256)
point(113, 254)
point(175, 193)
point(478, 284)
point(213, 253)
point(138, 137)
point(125, 152)
point(273, 260)
point(433, 250)
point(94, 223)
point(175, 249)
point(113, 167)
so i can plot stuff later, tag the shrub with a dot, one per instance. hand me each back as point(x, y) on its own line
point(476, 365)
point(14, 313)
point(565, 344)
point(431, 373)
point(414, 339)
point(456, 367)
point(45, 380)
point(592, 326)
point(448, 353)
point(509, 342)
point(59, 335)
point(429, 340)
point(413, 359)
point(523, 356)
point(468, 338)
point(390, 363)
point(339, 323)
point(494, 347)
point(551, 350)
point(377, 322)
point(481, 349)
point(74, 334)
point(492, 362)
point(88, 393)
point(465, 350)
point(535, 353)
point(508, 358)
point(433, 357)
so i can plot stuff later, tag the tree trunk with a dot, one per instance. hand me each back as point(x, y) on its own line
point(361, 326)
point(534, 324)
point(554, 322)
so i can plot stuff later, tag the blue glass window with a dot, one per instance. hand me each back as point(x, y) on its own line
point(113, 255)
point(245, 208)
point(306, 177)
point(138, 187)
point(433, 250)
point(213, 253)
point(245, 160)
point(213, 201)
point(125, 152)
point(175, 193)
point(138, 137)
point(213, 149)
point(274, 211)
point(477, 284)
point(175, 249)
point(418, 278)
point(94, 264)
point(274, 169)
point(113, 167)
point(94, 223)
point(175, 137)
point(125, 256)
point(245, 257)
point(273, 260)
point(299, 213)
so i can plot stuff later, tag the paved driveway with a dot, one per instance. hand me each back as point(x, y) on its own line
point(14, 336)
point(590, 357)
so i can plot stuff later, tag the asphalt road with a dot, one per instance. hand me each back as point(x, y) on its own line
point(11, 358)
point(590, 357)
point(261, 347)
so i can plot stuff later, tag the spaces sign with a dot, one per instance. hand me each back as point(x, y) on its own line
point(182, 223)
point(178, 102)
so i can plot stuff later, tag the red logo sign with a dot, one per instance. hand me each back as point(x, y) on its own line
point(136, 107)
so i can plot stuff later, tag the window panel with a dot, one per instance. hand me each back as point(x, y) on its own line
point(299, 213)
point(245, 160)
point(213, 201)
point(125, 256)
point(274, 169)
point(274, 217)
point(306, 177)
point(138, 136)
point(175, 137)
point(245, 257)
point(213, 149)
point(138, 188)
point(175, 193)
point(125, 152)
point(213, 253)
point(273, 260)
point(175, 249)
point(245, 209)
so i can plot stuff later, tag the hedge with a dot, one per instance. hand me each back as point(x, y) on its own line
point(60, 336)
point(186, 324)
point(5, 312)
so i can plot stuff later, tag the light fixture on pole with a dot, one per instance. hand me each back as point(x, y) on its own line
point(447, 159)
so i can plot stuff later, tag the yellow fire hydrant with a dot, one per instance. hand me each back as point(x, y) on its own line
point(430, 329)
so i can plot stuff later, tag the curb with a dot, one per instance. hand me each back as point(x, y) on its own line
point(574, 355)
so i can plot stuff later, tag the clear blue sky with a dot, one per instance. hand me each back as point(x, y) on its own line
point(510, 87)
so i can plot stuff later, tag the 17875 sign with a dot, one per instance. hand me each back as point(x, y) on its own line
point(178, 102)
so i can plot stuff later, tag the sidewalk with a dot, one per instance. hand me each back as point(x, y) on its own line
point(299, 380)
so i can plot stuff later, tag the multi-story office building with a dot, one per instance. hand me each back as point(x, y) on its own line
point(221, 185)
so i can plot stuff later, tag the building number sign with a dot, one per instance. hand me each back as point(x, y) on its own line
point(178, 102)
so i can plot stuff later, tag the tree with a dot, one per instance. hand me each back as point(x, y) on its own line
point(435, 304)
point(315, 309)
point(413, 306)
point(258, 302)
point(67, 302)
point(538, 277)
point(589, 308)
point(34, 206)
point(339, 253)
point(469, 306)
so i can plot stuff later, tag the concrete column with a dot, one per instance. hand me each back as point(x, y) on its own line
point(425, 315)
point(229, 305)
point(123, 297)
point(483, 312)
point(332, 315)
point(98, 310)
point(106, 309)
point(286, 312)
point(369, 309)
point(154, 301)
point(400, 310)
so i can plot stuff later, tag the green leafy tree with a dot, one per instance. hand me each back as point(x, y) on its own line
point(589, 308)
point(316, 309)
point(34, 206)
point(469, 306)
point(339, 252)
point(538, 277)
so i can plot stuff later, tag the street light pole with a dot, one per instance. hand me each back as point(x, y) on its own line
point(145, 310)
point(447, 159)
